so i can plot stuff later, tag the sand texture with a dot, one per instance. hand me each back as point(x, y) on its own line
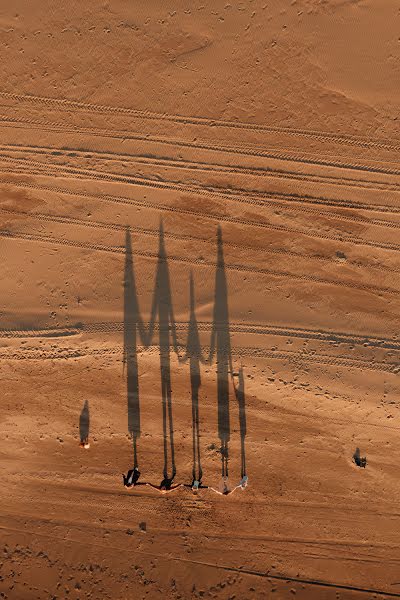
point(199, 272)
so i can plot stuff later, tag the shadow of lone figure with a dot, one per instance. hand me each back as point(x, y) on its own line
point(84, 426)
point(162, 310)
point(132, 326)
point(193, 353)
point(361, 461)
point(220, 347)
point(240, 396)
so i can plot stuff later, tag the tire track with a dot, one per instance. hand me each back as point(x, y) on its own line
point(238, 351)
point(276, 173)
point(268, 329)
point(198, 144)
point(190, 120)
point(79, 174)
point(234, 327)
point(264, 199)
point(190, 165)
point(295, 198)
point(289, 198)
point(184, 237)
point(204, 263)
point(239, 570)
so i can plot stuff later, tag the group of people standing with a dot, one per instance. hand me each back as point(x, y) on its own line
point(228, 380)
point(131, 480)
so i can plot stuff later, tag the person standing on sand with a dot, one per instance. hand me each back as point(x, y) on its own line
point(224, 488)
point(165, 486)
point(243, 482)
point(131, 478)
point(220, 351)
point(195, 486)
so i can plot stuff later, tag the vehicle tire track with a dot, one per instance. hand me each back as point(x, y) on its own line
point(212, 195)
point(187, 164)
point(273, 173)
point(99, 108)
point(239, 570)
point(184, 237)
point(238, 351)
point(296, 198)
point(329, 336)
point(198, 144)
point(288, 198)
point(230, 267)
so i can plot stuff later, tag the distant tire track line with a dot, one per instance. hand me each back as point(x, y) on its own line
point(239, 352)
point(231, 267)
point(63, 219)
point(266, 199)
point(287, 198)
point(234, 327)
point(98, 108)
point(192, 165)
point(330, 203)
point(276, 173)
point(240, 195)
point(239, 570)
point(198, 144)
point(157, 185)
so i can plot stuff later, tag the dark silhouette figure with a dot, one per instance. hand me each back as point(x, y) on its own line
point(163, 309)
point(240, 396)
point(361, 461)
point(131, 478)
point(193, 353)
point(84, 421)
point(221, 348)
point(166, 485)
point(132, 325)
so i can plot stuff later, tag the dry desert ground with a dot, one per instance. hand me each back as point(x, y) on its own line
point(199, 271)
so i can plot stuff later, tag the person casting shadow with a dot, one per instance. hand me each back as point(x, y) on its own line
point(166, 485)
point(220, 347)
point(132, 325)
point(84, 421)
point(193, 353)
point(240, 396)
point(162, 310)
point(131, 478)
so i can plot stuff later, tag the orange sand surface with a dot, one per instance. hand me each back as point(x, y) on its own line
point(199, 242)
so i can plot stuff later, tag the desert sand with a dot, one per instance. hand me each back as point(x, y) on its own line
point(199, 242)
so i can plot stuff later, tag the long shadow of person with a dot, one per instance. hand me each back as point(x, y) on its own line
point(194, 354)
point(240, 396)
point(220, 348)
point(162, 310)
point(132, 325)
point(84, 422)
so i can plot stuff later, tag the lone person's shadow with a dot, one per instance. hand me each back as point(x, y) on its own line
point(84, 420)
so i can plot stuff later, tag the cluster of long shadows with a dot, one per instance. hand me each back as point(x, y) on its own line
point(137, 332)
point(162, 312)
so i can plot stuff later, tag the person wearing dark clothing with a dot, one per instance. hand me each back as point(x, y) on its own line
point(166, 486)
point(131, 478)
point(361, 461)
